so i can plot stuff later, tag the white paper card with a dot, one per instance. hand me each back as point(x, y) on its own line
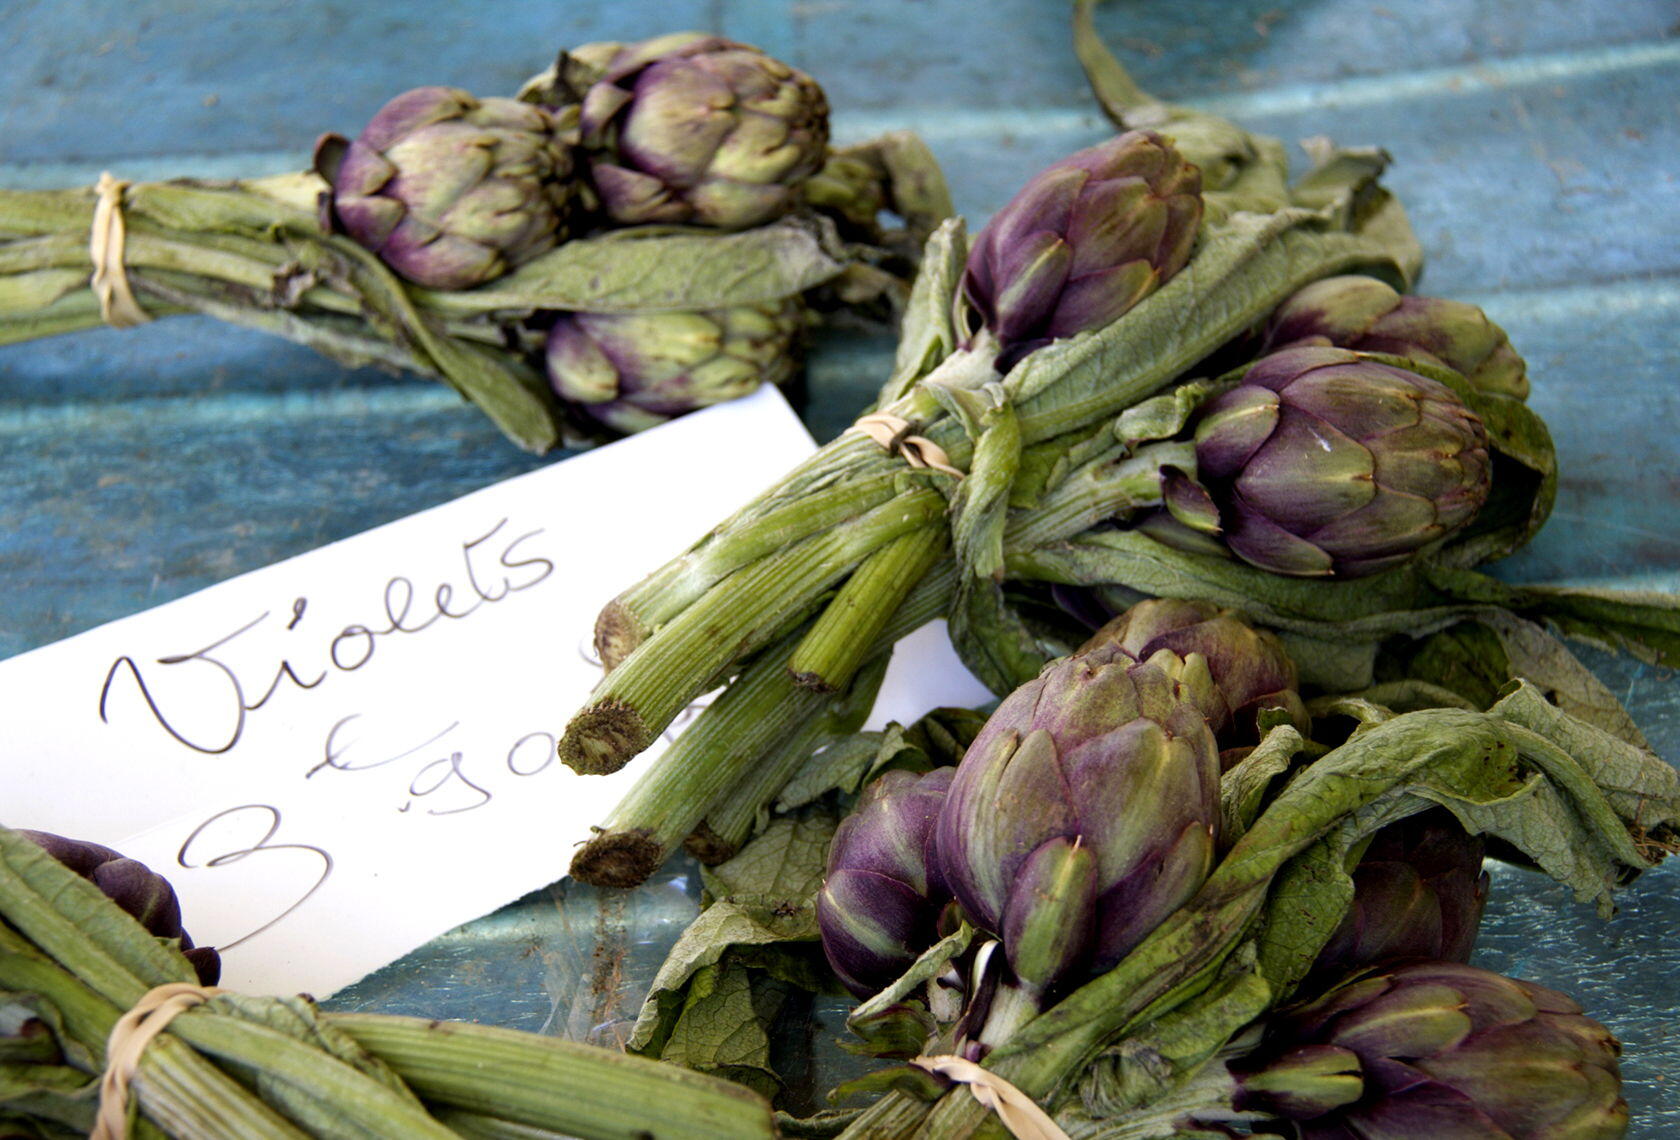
point(338, 757)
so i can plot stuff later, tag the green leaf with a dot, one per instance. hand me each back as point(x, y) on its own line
point(1638, 786)
point(980, 505)
point(839, 767)
point(666, 269)
point(926, 333)
point(782, 868)
point(992, 640)
point(1147, 1073)
point(899, 1019)
point(723, 1029)
point(1243, 788)
point(1309, 898)
point(764, 921)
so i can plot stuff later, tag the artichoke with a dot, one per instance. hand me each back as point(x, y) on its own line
point(883, 892)
point(1439, 1050)
point(693, 128)
point(631, 371)
point(1084, 813)
point(1365, 314)
point(1085, 240)
point(1230, 669)
point(449, 190)
point(1418, 892)
point(1324, 463)
point(138, 890)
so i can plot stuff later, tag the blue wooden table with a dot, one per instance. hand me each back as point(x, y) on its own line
point(1534, 144)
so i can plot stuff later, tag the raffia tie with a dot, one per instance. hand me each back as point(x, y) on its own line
point(131, 1034)
point(893, 433)
point(1018, 1112)
point(110, 276)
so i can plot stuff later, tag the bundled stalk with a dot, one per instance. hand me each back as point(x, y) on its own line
point(73, 964)
point(515, 249)
point(1110, 391)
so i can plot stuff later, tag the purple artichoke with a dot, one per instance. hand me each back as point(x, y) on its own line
point(1085, 240)
point(1324, 463)
point(1439, 1050)
point(449, 190)
point(1418, 892)
point(693, 128)
point(1365, 314)
point(1230, 669)
point(141, 892)
point(632, 371)
point(1084, 813)
point(881, 898)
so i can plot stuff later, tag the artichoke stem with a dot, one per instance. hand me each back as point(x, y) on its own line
point(714, 773)
point(636, 614)
point(830, 655)
point(647, 690)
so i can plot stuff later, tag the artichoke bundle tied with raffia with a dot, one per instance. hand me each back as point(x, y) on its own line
point(646, 182)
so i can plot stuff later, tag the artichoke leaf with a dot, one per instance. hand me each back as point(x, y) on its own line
point(767, 920)
point(666, 269)
point(927, 334)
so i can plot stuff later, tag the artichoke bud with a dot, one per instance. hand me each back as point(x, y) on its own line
point(1445, 1049)
point(1324, 463)
point(145, 895)
point(692, 128)
point(449, 190)
point(1368, 315)
point(884, 896)
point(1231, 670)
point(1418, 892)
point(1085, 240)
point(632, 371)
point(1101, 766)
point(852, 189)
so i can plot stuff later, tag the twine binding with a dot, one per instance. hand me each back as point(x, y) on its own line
point(893, 434)
point(105, 245)
point(1015, 1109)
point(131, 1034)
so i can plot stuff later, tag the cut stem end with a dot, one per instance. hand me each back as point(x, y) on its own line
point(603, 738)
point(618, 859)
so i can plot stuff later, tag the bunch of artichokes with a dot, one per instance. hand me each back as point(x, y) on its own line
point(657, 184)
point(1085, 838)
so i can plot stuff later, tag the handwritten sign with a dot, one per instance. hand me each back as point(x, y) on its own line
point(340, 756)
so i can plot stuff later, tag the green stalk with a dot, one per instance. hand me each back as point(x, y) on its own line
point(350, 342)
point(732, 819)
point(843, 637)
point(563, 1086)
point(712, 764)
point(1096, 492)
point(477, 1126)
point(751, 716)
point(841, 474)
point(337, 1098)
point(629, 618)
point(649, 688)
point(177, 1088)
